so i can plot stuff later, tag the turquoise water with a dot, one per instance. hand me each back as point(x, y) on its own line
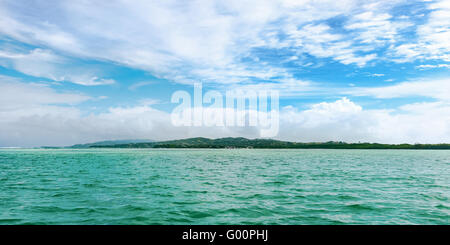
point(158, 186)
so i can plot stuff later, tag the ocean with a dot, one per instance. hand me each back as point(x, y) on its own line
point(224, 186)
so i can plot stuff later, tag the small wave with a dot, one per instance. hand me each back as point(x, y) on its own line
point(55, 209)
point(442, 206)
point(358, 206)
point(198, 214)
point(195, 192)
point(346, 197)
point(275, 183)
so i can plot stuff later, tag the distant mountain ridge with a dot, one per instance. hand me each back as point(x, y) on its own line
point(110, 143)
point(240, 142)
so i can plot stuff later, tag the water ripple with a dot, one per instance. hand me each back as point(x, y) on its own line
point(160, 186)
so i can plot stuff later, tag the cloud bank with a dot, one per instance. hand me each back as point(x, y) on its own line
point(49, 117)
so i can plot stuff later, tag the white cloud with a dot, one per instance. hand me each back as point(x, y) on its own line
point(46, 64)
point(432, 41)
point(344, 120)
point(433, 66)
point(376, 28)
point(318, 40)
point(202, 40)
point(377, 75)
point(433, 88)
point(16, 94)
point(322, 113)
point(137, 85)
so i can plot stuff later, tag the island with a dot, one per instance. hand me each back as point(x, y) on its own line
point(240, 142)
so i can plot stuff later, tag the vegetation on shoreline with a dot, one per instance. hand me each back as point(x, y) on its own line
point(267, 144)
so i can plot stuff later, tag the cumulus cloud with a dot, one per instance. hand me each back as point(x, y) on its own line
point(343, 120)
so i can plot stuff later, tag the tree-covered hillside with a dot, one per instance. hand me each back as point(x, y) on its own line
point(267, 144)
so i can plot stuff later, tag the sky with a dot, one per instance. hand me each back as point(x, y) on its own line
point(355, 71)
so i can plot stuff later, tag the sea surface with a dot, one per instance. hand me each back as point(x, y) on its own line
point(242, 186)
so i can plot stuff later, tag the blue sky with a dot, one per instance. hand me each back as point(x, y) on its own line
point(82, 71)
